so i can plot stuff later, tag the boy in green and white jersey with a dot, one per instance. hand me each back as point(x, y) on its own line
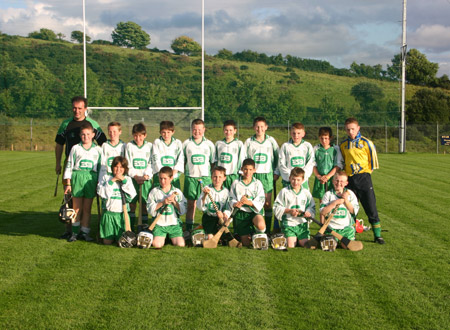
point(139, 156)
point(170, 202)
point(229, 153)
point(247, 193)
point(293, 204)
point(263, 149)
point(112, 224)
point(198, 158)
point(167, 151)
point(327, 160)
point(81, 175)
point(344, 218)
point(110, 149)
point(220, 195)
point(296, 153)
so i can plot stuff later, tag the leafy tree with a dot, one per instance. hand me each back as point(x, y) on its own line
point(185, 45)
point(130, 35)
point(419, 71)
point(78, 37)
point(366, 93)
point(101, 42)
point(44, 34)
point(60, 36)
point(429, 106)
point(225, 54)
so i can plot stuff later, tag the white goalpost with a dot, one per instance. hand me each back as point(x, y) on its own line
point(202, 105)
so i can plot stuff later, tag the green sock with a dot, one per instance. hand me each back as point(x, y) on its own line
point(268, 221)
point(189, 226)
point(376, 227)
point(76, 228)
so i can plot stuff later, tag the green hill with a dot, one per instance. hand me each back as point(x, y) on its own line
point(39, 78)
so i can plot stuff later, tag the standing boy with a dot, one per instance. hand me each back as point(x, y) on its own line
point(328, 160)
point(220, 195)
point(360, 158)
point(81, 175)
point(293, 205)
point(170, 203)
point(167, 151)
point(229, 152)
point(247, 194)
point(263, 149)
point(198, 157)
point(112, 148)
point(344, 218)
point(138, 154)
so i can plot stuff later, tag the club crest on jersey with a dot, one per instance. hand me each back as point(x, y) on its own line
point(211, 208)
point(260, 158)
point(226, 158)
point(198, 159)
point(297, 161)
point(86, 164)
point(110, 159)
point(139, 163)
point(168, 210)
point(167, 161)
point(341, 213)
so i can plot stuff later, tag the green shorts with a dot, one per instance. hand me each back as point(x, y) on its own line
point(210, 224)
point(84, 184)
point(146, 187)
point(266, 179)
point(300, 231)
point(229, 180)
point(173, 231)
point(112, 225)
point(287, 183)
point(243, 223)
point(192, 188)
point(348, 232)
point(320, 189)
point(175, 182)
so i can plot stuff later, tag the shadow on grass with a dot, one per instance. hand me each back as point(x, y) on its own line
point(45, 224)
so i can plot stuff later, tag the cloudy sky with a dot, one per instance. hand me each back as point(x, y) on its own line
point(339, 31)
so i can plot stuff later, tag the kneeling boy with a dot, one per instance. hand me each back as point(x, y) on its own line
point(294, 203)
point(247, 194)
point(170, 202)
point(344, 218)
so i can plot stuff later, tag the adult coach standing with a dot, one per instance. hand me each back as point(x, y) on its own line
point(69, 133)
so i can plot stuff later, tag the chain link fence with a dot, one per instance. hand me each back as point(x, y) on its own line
point(24, 134)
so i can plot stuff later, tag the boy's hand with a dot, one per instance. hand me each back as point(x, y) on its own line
point(238, 204)
point(307, 214)
point(345, 195)
point(245, 201)
point(323, 179)
point(58, 169)
point(67, 190)
point(206, 190)
point(220, 215)
point(294, 212)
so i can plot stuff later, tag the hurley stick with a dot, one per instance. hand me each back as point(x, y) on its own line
point(314, 241)
point(152, 226)
point(212, 243)
point(140, 207)
point(232, 243)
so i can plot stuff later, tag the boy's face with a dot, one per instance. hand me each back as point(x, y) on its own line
point(114, 133)
point(86, 135)
point(139, 138)
point(229, 132)
point(352, 130)
point(325, 140)
point(296, 181)
point(198, 131)
point(218, 178)
point(164, 180)
point(118, 170)
point(166, 134)
point(260, 128)
point(247, 171)
point(339, 182)
point(297, 135)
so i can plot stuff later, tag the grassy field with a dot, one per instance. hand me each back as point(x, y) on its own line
point(49, 283)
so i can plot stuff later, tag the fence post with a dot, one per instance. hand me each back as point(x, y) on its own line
point(31, 134)
point(437, 138)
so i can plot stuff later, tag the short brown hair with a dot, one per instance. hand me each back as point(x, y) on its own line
point(258, 119)
point(351, 120)
point(298, 126)
point(220, 169)
point(249, 162)
point(325, 131)
point(115, 123)
point(297, 171)
point(122, 161)
point(166, 170)
point(197, 121)
point(230, 122)
point(166, 124)
point(340, 173)
point(86, 125)
point(80, 99)
point(139, 128)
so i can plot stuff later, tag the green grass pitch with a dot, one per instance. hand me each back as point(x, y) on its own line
point(46, 283)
